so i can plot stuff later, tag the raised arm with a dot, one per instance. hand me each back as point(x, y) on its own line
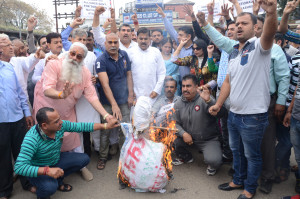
point(289, 8)
point(99, 35)
point(66, 32)
point(168, 25)
point(198, 31)
point(31, 23)
point(219, 40)
point(270, 25)
point(237, 6)
point(135, 22)
point(210, 16)
point(113, 26)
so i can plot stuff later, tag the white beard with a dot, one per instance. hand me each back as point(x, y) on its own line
point(71, 70)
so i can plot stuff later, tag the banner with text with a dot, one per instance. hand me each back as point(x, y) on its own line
point(148, 17)
point(88, 8)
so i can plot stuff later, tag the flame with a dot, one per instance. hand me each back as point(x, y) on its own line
point(166, 135)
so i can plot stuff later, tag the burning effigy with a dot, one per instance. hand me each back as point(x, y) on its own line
point(145, 162)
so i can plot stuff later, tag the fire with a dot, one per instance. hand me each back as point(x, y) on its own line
point(166, 135)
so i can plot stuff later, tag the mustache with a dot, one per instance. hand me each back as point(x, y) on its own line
point(113, 48)
point(143, 44)
point(186, 92)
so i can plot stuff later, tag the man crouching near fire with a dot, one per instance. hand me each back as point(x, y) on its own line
point(196, 127)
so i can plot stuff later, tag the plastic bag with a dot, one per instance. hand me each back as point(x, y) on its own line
point(140, 163)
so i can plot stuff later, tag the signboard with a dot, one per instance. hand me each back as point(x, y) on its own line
point(217, 9)
point(147, 17)
point(88, 8)
point(148, 3)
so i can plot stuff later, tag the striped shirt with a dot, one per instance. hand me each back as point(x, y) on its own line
point(38, 150)
point(294, 66)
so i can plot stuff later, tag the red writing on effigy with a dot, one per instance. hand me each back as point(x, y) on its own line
point(133, 154)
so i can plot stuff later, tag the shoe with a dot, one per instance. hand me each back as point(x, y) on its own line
point(243, 196)
point(266, 186)
point(113, 149)
point(86, 174)
point(297, 187)
point(178, 161)
point(210, 171)
point(227, 187)
point(101, 164)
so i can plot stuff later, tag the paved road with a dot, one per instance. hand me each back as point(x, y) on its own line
point(191, 178)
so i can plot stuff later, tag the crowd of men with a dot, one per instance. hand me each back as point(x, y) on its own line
point(233, 90)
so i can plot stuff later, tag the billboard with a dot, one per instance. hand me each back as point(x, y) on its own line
point(148, 3)
point(148, 17)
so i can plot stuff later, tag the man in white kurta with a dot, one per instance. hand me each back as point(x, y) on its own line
point(148, 67)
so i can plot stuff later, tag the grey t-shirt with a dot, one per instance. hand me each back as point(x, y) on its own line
point(249, 77)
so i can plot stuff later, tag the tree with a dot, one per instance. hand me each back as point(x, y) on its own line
point(15, 13)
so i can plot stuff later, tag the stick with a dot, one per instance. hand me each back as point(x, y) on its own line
point(163, 128)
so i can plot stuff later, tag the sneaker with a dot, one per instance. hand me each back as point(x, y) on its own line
point(178, 161)
point(297, 187)
point(210, 171)
point(266, 186)
point(86, 174)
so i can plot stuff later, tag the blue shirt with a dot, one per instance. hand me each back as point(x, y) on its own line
point(183, 70)
point(222, 68)
point(117, 75)
point(13, 101)
point(67, 44)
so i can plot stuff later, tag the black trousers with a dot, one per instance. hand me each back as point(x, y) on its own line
point(87, 143)
point(11, 138)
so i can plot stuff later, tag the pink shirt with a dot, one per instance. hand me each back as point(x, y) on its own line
point(65, 107)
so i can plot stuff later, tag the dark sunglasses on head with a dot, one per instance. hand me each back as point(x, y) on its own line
point(78, 56)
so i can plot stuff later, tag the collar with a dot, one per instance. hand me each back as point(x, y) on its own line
point(167, 100)
point(42, 133)
point(247, 42)
point(195, 98)
point(189, 46)
point(107, 56)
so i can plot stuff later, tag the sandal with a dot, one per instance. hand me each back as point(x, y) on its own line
point(66, 188)
point(101, 164)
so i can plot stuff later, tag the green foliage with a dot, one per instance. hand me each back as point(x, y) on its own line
point(294, 16)
point(15, 13)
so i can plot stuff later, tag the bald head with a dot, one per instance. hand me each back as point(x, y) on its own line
point(19, 48)
point(112, 44)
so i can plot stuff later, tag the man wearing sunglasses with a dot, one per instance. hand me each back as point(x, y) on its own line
point(63, 83)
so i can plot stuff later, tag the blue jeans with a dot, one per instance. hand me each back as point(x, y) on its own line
point(69, 162)
point(283, 147)
point(295, 140)
point(245, 136)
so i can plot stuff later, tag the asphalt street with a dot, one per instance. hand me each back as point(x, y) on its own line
point(190, 181)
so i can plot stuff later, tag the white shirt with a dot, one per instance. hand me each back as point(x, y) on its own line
point(40, 68)
point(148, 70)
point(84, 110)
point(132, 44)
point(23, 66)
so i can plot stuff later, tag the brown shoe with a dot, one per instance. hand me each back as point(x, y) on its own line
point(101, 164)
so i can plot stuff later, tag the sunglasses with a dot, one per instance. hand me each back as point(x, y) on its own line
point(198, 48)
point(78, 56)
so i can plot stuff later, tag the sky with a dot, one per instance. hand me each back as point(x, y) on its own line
point(50, 8)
